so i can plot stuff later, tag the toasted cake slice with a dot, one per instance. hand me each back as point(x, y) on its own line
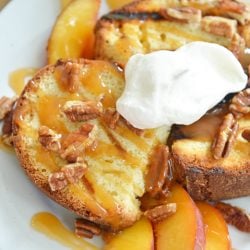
point(149, 25)
point(206, 176)
point(76, 148)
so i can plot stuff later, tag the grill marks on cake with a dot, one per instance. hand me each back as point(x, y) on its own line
point(51, 113)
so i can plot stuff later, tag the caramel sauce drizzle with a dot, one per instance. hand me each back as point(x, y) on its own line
point(206, 127)
point(17, 78)
point(5, 147)
point(49, 109)
point(49, 225)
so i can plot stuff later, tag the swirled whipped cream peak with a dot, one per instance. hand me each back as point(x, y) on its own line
point(178, 87)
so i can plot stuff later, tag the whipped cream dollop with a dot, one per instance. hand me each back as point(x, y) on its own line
point(178, 87)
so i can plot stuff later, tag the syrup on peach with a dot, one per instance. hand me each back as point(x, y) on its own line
point(72, 35)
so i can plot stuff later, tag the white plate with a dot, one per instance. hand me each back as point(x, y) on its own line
point(25, 26)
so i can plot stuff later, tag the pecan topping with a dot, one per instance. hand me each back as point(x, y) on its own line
point(237, 45)
point(79, 111)
point(69, 75)
point(220, 26)
point(158, 178)
point(49, 139)
point(74, 171)
point(75, 143)
point(85, 228)
point(235, 216)
point(244, 135)
point(183, 14)
point(226, 137)
point(6, 105)
point(137, 131)
point(161, 212)
point(111, 117)
point(240, 104)
point(57, 181)
point(232, 6)
point(70, 173)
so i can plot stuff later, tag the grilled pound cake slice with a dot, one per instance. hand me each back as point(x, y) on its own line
point(149, 25)
point(76, 148)
point(198, 167)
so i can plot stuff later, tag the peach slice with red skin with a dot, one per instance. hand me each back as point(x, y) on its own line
point(217, 235)
point(137, 237)
point(73, 32)
point(183, 230)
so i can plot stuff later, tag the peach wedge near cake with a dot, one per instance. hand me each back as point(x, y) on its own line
point(73, 33)
point(217, 235)
point(184, 229)
point(75, 146)
point(139, 236)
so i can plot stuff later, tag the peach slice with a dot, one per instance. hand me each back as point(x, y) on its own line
point(183, 230)
point(73, 32)
point(113, 4)
point(64, 3)
point(139, 236)
point(217, 236)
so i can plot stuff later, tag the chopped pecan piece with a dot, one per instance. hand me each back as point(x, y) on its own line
point(240, 104)
point(79, 111)
point(183, 14)
point(245, 134)
point(49, 139)
point(75, 143)
point(226, 137)
point(57, 181)
point(232, 6)
point(235, 216)
point(158, 178)
point(85, 228)
point(111, 117)
point(237, 45)
point(220, 26)
point(70, 173)
point(161, 212)
point(6, 105)
point(68, 75)
point(74, 171)
point(137, 131)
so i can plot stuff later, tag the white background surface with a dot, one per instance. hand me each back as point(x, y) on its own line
point(25, 26)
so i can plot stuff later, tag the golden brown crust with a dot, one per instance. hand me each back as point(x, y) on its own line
point(150, 25)
point(210, 179)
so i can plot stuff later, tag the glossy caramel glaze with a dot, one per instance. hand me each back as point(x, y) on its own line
point(117, 162)
point(49, 225)
point(18, 78)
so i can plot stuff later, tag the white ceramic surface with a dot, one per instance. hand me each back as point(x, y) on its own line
point(24, 29)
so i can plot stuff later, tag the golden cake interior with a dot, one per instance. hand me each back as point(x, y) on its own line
point(117, 164)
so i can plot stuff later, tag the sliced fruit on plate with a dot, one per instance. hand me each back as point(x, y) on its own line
point(113, 4)
point(138, 237)
point(72, 35)
point(183, 230)
point(64, 3)
point(217, 236)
